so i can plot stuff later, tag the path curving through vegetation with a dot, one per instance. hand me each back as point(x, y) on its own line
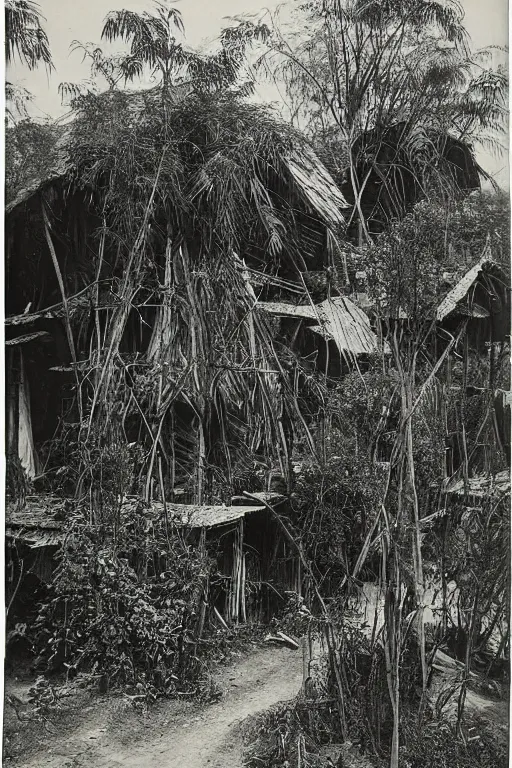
point(174, 734)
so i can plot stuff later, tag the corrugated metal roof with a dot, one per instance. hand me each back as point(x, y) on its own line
point(339, 319)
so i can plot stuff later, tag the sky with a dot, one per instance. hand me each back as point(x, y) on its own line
point(68, 20)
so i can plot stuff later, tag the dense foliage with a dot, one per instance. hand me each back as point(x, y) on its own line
point(125, 603)
point(30, 154)
point(173, 199)
point(393, 94)
point(334, 507)
point(414, 263)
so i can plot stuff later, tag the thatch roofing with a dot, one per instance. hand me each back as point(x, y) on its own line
point(35, 538)
point(212, 516)
point(25, 338)
point(460, 301)
point(312, 180)
point(58, 170)
point(316, 185)
point(79, 301)
point(191, 516)
point(482, 485)
point(36, 523)
point(337, 319)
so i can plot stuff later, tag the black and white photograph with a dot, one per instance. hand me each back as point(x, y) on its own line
point(256, 384)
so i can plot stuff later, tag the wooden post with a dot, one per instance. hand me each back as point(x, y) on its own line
point(236, 573)
point(240, 568)
point(305, 661)
point(13, 400)
point(243, 610)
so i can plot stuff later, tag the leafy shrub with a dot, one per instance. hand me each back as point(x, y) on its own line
point(124, 602)
point(436, 745)
point(406, 267)
point(334, 506)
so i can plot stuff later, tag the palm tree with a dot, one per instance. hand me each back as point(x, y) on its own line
point(155, 44)
point(24, 34)
point(152, 39)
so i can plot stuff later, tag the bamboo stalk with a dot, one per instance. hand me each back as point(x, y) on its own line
point(16, 588)
point(99, 341)
point(243, 605)
point(60, 281)
point(202, 610)
point(127, 295)
point(164, 502)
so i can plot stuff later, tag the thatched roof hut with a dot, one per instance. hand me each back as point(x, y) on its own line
point(255, 563)
point(482, 296)
point(123, 283)
point(397, 163)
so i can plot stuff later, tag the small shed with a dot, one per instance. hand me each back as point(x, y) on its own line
point(255, 562)
point(482, 296)
point(33, 535)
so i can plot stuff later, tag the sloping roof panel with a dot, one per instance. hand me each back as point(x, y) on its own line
point(58, 170)
point(348, 326)
point(338, 319)
point(288, 310)
point(460, 291)
point(34, 538)
point(317, 186)
point(26, 338)
point(81, 300)
point(312, 179)
point(35, 525)
point(194, 516)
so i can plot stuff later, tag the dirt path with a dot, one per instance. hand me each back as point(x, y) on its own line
point(175, 735)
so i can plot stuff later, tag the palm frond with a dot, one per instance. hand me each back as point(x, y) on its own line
point(24, 34)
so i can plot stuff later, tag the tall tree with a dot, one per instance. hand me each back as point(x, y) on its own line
point(393, 91)
point(155, 44)
point(25, 39)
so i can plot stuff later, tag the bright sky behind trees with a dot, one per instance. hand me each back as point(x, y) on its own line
point(486, 22)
